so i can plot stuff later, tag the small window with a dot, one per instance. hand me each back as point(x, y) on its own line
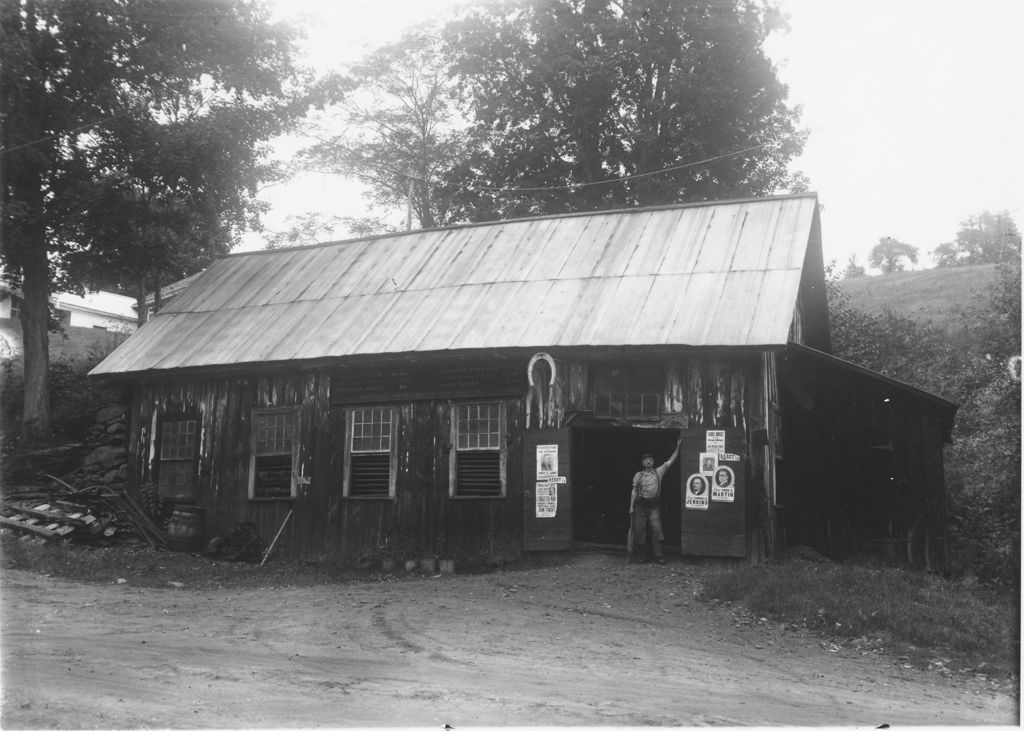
point(15, 307)
point(478, 460)
point(370, 457)
point(272, 475)
point(176, 468)
point(627, 392)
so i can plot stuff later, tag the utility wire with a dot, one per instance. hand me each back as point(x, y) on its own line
point(80, 128)
point(631, 177)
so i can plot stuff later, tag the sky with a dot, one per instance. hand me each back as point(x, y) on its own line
point(913, 109)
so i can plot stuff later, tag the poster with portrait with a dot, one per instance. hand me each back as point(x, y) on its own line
point(708, 463)
point(696, 492)
point(723, 485)
point(547, 461)
point(547, 499)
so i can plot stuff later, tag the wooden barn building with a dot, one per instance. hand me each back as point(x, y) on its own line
point(490, 388)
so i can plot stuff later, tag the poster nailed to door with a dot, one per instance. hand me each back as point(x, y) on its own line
point(723, 486)
point(696, 492)
point(547, 461)
point(708, 463)
point(547, 499)
point(715, 441)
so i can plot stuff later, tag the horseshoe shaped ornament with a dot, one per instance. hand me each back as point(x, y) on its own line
point(540, 356)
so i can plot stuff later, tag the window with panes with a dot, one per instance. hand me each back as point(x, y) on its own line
point(370, 467)
point(479, 451)
point(176, 467)
point(274, 442)
point(626, 391)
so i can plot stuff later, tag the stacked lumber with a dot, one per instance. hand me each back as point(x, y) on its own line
point(95, 514)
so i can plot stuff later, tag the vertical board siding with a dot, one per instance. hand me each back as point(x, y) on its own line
point(422, 516)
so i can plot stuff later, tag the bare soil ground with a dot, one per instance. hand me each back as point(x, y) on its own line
point(589, 642)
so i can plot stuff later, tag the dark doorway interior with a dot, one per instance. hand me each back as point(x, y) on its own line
point(604, 462)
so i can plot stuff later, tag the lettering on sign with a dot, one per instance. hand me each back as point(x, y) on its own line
point(547, 461)
point(696, 492)
point(723, 485)
point(715, 441)
point(547, 499)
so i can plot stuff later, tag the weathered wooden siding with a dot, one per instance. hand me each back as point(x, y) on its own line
point(863, 468)
point(698, 392)
point(422, 515)
point(223, 409)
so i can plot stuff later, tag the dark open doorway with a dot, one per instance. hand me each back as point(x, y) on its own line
point(604, 462)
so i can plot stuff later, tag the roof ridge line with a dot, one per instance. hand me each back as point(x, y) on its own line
point(522, 219)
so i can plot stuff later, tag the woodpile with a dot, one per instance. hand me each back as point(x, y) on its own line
point(88, 503)
point(94, 514)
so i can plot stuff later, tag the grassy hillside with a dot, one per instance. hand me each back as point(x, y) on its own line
point(927, 296)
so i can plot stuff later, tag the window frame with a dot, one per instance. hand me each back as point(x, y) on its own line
point(630, 387)
point(502, 449)
point(293, 487)
point(174, 418)
point(346, 486)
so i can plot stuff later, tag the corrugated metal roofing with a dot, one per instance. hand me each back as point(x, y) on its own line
point(721, 274)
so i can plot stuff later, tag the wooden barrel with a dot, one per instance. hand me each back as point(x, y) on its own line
point(187, 528)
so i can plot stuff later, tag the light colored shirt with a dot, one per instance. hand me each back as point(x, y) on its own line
point(650, 482)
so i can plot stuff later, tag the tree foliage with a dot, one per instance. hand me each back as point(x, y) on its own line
point(526, 107)
point(131, 138)
point(888, 255)
point(673, 101)
point(400, 125)
point(987, 238)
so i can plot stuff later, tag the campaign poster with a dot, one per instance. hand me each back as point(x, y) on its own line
point(547, 461)
point(715, 441)
point(723, 485)
point(708, 463)
point(696, 492)
point(547, 499)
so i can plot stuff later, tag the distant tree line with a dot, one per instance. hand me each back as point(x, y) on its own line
point(985, 238)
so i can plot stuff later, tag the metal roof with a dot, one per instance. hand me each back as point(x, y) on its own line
point(712, 274)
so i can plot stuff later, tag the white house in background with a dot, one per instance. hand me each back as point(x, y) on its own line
point(104, 310)
point(91, 326)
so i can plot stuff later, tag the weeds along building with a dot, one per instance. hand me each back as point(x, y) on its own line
point(490, 388)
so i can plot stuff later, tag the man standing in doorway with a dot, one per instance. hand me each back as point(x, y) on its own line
point(644, 503)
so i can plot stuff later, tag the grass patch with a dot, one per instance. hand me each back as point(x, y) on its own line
point(926, 296)
point(908, 612)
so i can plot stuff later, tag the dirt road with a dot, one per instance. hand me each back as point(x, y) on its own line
point(592, 642)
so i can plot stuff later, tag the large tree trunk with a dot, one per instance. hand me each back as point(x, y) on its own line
point(35, 320)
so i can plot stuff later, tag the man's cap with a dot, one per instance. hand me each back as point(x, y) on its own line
point(645, 455)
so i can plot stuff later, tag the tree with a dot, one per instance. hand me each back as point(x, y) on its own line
point(130, 129)
point(401, 130)
point(853, 268)
point(987, 238)
point(888, 255)
point(594, 104)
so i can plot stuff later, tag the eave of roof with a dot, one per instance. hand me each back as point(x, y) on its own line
point(845, 365)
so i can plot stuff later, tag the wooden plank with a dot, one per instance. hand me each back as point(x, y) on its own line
point(29, 528)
